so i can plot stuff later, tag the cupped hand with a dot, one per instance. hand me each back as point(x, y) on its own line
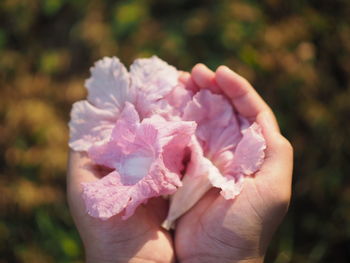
point(238, 230)
point(138, 239)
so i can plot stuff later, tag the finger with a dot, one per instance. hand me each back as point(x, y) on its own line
point(245, 99)
point(186, 79)
point(278, 164)
point(183, 77)
point(204, 78)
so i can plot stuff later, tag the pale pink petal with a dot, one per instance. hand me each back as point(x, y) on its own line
point(106, 197)
point(118, 144)
point(249, 153)
point(228, 149)
point(152, 79)
point(186, 197)
point(230, 186)
point(89, 125)
point(156, 183)
point(110, 196)
point(175, 137)
point(222, 139)
point(195, 184)
point(196, 166)
point(147, 158)
point(169, 137)
point(132, 165)
point(178, 98)
point(218, 128)
point(108, 154)
point(147, 137)
point(208, 107)
point(125, 129)
point(108, 86)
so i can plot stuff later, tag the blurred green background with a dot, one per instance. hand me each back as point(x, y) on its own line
point(296, 53)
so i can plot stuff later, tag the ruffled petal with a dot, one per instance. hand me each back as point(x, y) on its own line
point(89, 125)
point(186, 197)
point(108, 86)
point(125, 129)
point(172, 106)
point(206, 106)
point(230, 186)
point(218, 128)
point(147, 158)
point(228, 149)
point(110, 196)
point(178, 99)
point(131, 150)
point(175, 137)
point(249, 154)
point(106, 197)
point(152, 79)
point(111, 152)
point(201, 175)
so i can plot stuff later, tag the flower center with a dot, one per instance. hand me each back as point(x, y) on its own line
point(134, 168)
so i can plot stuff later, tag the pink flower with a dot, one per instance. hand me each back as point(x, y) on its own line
point(147, 160)
point(109, 87)
point(145, 156)
point(141, 124)
point(226, 148)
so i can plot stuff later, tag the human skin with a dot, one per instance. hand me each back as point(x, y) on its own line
point(215, 229)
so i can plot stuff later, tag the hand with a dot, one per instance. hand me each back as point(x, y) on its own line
point(138, 239)
point(239, 230)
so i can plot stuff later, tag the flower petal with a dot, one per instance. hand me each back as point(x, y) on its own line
point(175, 137)
point(106, 197)
point(195, 184)
point(218, 127)
point(152, 79)
point(147, 157)
point(186, 197)
point(178, 98)
point(249, 153)
point(206, 106)
point(131, 150)
point(230, 186)
point(109, 196)
point(125, 129)
point(89, 125)
point(108, 85)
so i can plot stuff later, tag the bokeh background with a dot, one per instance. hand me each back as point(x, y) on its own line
point(296, 53)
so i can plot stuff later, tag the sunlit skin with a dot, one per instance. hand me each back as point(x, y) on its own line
point(215, 229)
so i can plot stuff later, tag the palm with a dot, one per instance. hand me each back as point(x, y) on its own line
point(233, 229)
point(115, 239)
